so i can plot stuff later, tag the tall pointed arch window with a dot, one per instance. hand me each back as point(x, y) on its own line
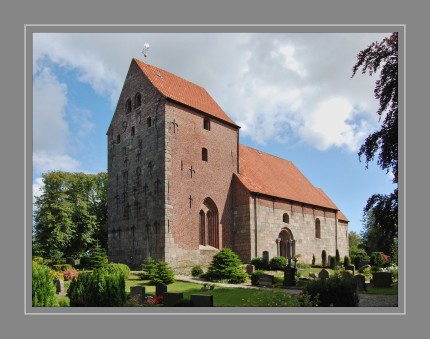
point(286, 218)
point(209, 224)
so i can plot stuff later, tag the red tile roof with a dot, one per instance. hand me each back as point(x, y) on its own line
point(183, 91)
point(267, 174)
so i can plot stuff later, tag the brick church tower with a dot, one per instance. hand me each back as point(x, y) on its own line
point(181, 187)
point(171, 158)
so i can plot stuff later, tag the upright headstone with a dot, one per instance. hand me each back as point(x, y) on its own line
point(324, 274)
point(360, 282)
point(137, 294)
point(329, 260)
point(289, 276)
point(59, 284)
point(266, 258)
point(170, 298)
point(250, 269)
point(265, 280)
point(200, 300)
point(160, 288)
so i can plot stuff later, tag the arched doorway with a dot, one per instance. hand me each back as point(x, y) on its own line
point(209, 224)
point(286, 244)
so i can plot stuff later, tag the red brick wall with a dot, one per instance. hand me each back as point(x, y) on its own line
point(185, 138)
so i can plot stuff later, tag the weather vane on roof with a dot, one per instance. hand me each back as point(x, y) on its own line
point(145, 49)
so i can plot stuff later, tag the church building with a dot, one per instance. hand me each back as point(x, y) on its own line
point(181, 187)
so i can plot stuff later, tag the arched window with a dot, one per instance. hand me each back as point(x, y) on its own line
point(149, 121)
point(286, 218)
point(208, 224)
point(118, 138)
point(317, 229)
point(133, 131)
point(204, 154)
point(128, 106)
point(138, 100)
point(286, 244)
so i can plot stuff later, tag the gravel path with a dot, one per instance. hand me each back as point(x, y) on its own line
point(370, 300)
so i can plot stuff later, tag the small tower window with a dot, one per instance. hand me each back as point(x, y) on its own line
point(286, 218)
point(118, 138)
point(138, 100)
point(317, 229)
point(207, 124)
point(128, 106)
point(149, 122)
point(204, 154)
point(133, 131)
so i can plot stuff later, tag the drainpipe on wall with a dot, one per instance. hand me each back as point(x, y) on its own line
point(255, 224)
point(335, 222)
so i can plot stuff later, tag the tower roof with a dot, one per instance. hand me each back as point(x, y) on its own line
point(183, 91)
point(267, 174)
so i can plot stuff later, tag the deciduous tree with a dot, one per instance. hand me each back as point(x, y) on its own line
point(70, 214)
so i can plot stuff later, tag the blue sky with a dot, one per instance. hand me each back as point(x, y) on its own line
point(291, 93)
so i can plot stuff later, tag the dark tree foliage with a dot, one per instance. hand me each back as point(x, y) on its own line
point(383, 56)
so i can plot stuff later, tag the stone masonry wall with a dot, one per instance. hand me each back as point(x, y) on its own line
point(302, 225)
point(136, 174)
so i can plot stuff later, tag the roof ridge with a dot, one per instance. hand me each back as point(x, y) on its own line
point(272, 155)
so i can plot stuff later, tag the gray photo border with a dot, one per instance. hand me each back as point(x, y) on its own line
point(16, 16)
point(30, 29)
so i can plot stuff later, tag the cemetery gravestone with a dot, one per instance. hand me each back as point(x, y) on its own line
point(266, 259)
point(289, 276)
point(265, 280)
point(250, 269)
point(138, 293)
point(200, 300)
point(170, 298)
point(360, 282)
point(160, 288)
point(324, 274)
point(59, 284)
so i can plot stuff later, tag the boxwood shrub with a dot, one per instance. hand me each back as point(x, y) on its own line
point(98, 288)
point(43, 290)
point(259, 264)
point(278, 263)
point(333, 291)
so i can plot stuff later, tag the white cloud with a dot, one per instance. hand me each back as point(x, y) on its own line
point(48, 161)
point(329, 126)
point(50, 130)
point(37, 186)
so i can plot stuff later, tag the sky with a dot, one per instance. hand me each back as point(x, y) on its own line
point(291, 93)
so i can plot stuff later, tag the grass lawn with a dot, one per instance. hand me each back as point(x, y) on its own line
point(392, 290)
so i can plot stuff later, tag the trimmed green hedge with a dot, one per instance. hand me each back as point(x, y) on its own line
point(98, 288)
